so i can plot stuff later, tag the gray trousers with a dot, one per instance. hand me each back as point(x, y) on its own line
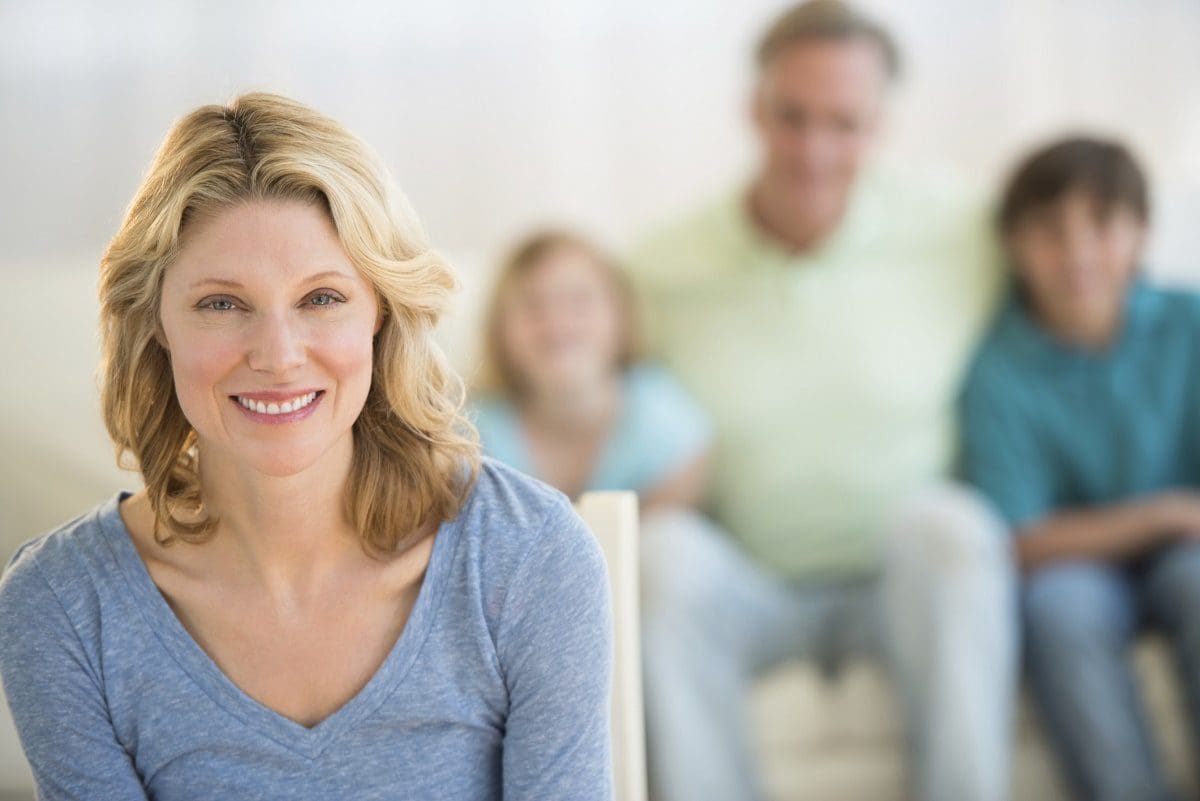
point(940, 616)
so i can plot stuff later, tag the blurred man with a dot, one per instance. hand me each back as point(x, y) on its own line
point(823, 312)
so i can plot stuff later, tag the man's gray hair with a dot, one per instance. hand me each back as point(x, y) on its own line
point(827, 19)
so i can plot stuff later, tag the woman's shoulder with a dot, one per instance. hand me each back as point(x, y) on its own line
point(511, 506)
point(510, 516)
point(67, 548)
point(529, 558)
point(58, 568)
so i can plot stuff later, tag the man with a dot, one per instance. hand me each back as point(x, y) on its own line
point(824, 312)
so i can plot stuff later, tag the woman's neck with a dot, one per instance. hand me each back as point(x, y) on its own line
point(288, 532)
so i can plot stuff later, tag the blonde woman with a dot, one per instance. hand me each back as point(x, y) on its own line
point(323, 591)
point(563, 395)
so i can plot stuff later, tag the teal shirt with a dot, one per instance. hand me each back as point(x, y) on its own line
point(658, 430)
point(1047, 426)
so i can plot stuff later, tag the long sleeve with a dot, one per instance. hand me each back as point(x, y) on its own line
point(56, 696)
point(554, 641)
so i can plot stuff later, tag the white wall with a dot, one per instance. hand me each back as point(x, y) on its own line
point(607, 112)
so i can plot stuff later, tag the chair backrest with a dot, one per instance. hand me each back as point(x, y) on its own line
point(613, 518)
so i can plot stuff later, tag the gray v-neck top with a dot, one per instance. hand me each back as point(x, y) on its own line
point(498, 687)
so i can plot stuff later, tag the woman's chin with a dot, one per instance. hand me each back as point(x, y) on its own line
point(280, 458)
point(282, 463)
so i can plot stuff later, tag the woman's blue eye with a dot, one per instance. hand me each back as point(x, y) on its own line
point(218, 304)
point(325, 299)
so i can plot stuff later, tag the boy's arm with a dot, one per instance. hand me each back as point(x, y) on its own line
point(1108, 533)
point(1007, 456)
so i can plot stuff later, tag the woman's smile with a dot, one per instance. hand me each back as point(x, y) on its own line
point(276, 408)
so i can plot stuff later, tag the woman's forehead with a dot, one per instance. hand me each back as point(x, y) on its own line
point(262, 240)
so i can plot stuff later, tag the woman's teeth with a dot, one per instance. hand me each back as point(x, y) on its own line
point(295, 404)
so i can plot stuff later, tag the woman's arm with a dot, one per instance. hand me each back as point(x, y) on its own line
point(685, 487)
point(56, 696)
point(1108, 533)
point(554, 641)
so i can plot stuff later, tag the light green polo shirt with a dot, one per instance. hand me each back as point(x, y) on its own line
point(830, 375)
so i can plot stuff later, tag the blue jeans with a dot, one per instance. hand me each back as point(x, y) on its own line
point(941, 616)
point(1081, 618)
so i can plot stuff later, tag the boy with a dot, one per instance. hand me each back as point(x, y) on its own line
point(1081, 421)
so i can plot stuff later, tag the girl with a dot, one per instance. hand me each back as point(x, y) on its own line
point(564, 396)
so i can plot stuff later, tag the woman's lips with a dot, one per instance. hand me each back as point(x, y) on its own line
point(284, 410)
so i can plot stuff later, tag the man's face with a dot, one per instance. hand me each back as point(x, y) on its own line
point(817, 111)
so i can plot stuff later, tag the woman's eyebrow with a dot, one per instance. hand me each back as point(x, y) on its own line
point(216, 281)
point(235, 285)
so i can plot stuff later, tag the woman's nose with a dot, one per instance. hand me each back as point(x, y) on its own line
point(277, 345)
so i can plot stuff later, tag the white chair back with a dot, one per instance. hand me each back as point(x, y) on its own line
point(613, 518)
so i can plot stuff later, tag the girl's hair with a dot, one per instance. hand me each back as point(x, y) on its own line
point(415, 455)
point(497, 374)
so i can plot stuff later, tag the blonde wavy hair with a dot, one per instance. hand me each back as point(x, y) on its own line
point(415, 454)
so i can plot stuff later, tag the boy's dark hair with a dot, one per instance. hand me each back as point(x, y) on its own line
point(1105, 170)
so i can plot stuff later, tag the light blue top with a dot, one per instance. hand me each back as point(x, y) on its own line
point(658, 430)
point(498, 687)
point(1047, 426)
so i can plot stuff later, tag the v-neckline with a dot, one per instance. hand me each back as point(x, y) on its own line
point(204, 671)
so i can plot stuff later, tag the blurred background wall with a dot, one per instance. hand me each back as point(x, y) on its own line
point(494, 117)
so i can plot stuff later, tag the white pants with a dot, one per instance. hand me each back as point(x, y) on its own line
point(941, 617)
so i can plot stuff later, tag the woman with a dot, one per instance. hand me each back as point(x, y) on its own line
point(323, 591)
point(563, 394)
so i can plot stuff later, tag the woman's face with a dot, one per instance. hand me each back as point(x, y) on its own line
point(270, 329)
point(561, 325)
